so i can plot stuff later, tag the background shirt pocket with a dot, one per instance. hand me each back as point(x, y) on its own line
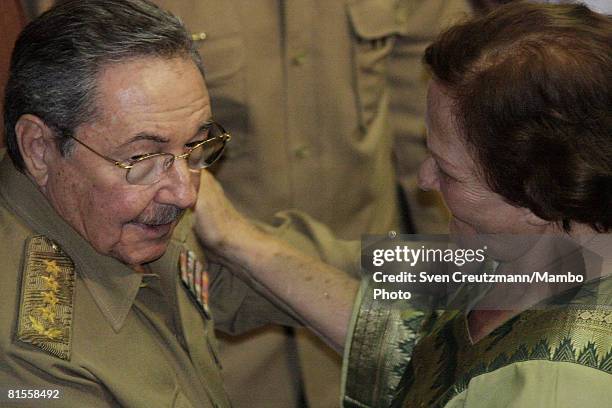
point(375, 25)
point(218, 35)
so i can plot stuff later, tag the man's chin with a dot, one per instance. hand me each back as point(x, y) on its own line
point(144, 251)
point(142, 255)
point(142, 244)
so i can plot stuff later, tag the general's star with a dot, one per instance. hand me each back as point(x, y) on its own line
point(51, 267)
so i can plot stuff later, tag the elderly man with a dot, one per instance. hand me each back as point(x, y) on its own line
point(103, 302)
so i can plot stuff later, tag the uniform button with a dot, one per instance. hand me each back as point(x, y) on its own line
point(302, 152)
point(198, 36)
point(299, 58)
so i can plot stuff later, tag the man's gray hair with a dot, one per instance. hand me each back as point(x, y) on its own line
point(58, 57)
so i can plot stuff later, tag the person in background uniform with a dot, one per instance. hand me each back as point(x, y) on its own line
point(519, 131)
point(408, 80)
point(104, 297)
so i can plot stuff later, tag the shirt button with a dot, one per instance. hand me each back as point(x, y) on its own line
point(299, 58)
point(302, 152)
point(199, 36)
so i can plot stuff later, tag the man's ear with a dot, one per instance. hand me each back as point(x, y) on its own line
point(37, 145)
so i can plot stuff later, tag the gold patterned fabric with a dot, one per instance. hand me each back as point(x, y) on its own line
point(445, 361)
point(406, 357)
point(45, 315)
point(383, 341)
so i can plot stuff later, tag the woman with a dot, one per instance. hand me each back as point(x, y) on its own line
point(520, 135)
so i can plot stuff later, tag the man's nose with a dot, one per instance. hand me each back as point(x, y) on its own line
point(428, 176)
point(180, 185)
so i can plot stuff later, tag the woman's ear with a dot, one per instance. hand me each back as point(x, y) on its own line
point(533, 219)
point(36, 143)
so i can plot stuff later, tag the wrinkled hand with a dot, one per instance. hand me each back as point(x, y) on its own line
point(225, 234)
point(217, 223)
point(288, 277)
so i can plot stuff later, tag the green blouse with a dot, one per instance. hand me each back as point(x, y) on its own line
point(409, 357)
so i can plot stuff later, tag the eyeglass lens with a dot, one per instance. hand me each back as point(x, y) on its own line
point(150, 170)
point(207, 154)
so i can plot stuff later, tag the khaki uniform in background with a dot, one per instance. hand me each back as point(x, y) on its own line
point(303, 88)
point(409, 80)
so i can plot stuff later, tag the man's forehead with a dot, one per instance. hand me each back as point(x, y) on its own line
point(151, 92)
point(138, 79)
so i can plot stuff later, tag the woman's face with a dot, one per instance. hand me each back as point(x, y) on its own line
point(450, 169)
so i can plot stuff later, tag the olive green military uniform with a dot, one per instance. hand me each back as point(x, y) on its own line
point(99, 332)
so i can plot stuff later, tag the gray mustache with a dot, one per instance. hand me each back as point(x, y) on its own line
point(163, 214)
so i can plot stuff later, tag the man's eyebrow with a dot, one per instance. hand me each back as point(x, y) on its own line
point(146, 136)
point(161, 139)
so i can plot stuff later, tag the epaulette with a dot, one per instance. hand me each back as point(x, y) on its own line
point(47, 295)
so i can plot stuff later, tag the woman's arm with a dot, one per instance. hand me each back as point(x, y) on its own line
point(319, 294)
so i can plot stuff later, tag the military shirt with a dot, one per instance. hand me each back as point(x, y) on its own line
point(101, 333)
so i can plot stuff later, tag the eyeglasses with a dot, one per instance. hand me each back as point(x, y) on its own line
point(148, 168)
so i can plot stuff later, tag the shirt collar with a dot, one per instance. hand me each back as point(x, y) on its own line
point(112, 284)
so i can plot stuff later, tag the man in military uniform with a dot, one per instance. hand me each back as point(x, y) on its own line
point(103, 302)
point(303, 86)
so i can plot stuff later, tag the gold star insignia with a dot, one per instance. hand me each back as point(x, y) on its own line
point(50, 298)
point(47, 313)
point(51, 267)
point(51, 283)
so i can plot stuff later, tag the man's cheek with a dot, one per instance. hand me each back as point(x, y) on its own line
point(195, 179)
